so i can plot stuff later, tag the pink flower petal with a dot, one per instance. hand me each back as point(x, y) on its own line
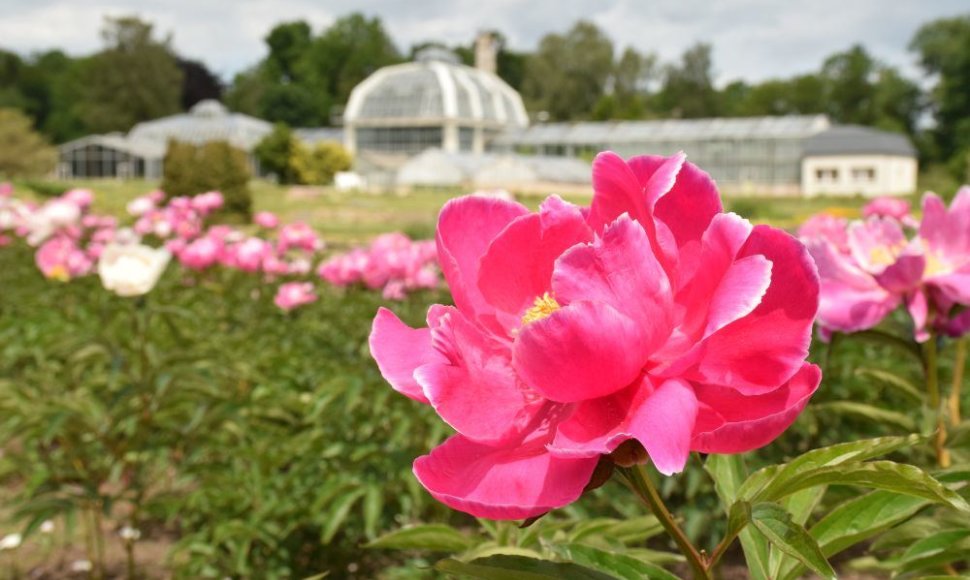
point(662, 420)
point(690, 205)
point(619, 269)
point(399, 350)
point(764, 349)
point(465, 228)
point(718, 288)
point(517, 267)
point(473, 387)
point(502, 483)
point(582, 351)
point(729, 422)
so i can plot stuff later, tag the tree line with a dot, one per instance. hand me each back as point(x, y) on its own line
point(580, 74)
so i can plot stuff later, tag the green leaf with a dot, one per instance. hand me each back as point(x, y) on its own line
point(432, 537)
point(834, 455)
point(908, 346)
point(858, 520)
point(885, 475)
point(776, 524)
point(863, 517)
point(871, 412)
point(940, 548)
point(899, 383)
point(338, 514)
point(618, 565)
point(728, 473)
point(518, 568)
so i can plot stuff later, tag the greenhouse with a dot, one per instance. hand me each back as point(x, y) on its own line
point(434, 102)
point(761, 153)
point(141, 151)
point(437, 168)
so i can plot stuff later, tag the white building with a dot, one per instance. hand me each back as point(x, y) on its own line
point(853, 160)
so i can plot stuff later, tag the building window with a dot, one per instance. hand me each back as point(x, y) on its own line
point(409, 140)
point(466, 138)
point(863, 174)
point(826, 175)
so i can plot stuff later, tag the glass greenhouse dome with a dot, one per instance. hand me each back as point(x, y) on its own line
point(434, 102)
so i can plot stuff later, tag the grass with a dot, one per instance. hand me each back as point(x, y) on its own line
point(353, 217)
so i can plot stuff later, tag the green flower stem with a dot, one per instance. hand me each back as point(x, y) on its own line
point(958, 366)
point(931, 365)
point(640, 481)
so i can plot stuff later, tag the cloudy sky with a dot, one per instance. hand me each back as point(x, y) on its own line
point(753, 39)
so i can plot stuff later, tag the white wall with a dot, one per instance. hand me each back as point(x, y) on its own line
point(868, 175)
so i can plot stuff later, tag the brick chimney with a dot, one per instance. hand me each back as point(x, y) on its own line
point(486, 52)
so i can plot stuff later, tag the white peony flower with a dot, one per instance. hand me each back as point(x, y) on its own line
point(10, 542)
point(131, 269)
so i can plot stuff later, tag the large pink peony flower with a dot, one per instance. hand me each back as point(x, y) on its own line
point(650, 316)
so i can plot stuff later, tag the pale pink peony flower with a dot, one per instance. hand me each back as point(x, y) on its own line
point(890, 207)
point(201, 253)
point(827, 228)
point(60, 258)
point(140, 206)
point(298, 235)
point(294, 294)
point(265, 219)
point(249, 255)
point(651, 316)
point(881, 269)
point(208, 202)
point(82, 198)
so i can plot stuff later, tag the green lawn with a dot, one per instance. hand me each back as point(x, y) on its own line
point(353, 217)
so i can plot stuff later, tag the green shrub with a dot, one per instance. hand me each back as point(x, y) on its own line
point(318, 164)
point(45, 188)
point(215, 166)
point(275, 153)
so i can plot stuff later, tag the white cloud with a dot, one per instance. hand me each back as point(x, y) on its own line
point(753, 39)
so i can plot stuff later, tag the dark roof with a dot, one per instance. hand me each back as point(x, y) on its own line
point(856, 140)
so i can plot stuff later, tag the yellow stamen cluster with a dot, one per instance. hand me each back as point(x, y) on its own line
point(59, 273)
point(543, 307)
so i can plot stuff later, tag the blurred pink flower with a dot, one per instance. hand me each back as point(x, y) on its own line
point(59, 258)
point(265, 219)
point(82, 198)
point(652, 316)
point(298, 235)
point(208, 202)
point(201, 253)
point(294, 294)
point(886, 206)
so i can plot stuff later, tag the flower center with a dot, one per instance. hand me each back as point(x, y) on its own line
point(936, 266)
point(59, 273)
point(543, 307)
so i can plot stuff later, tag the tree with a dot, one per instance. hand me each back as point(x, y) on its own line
point(288, 45)
point(688, 89)
point(135, 78)
point(568, 73)
point(943, 48)
point(23, 152)
point(198, 83)
point(346, 53)
point(849, 88)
